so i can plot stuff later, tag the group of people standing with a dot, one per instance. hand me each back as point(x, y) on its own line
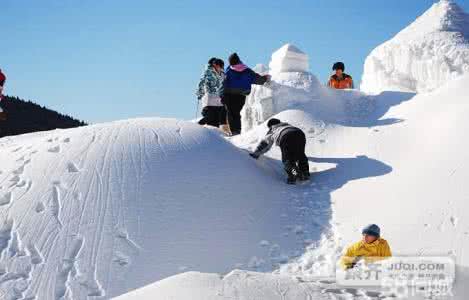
point(223, 94)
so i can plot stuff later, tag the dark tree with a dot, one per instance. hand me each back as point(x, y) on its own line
point(26, 116)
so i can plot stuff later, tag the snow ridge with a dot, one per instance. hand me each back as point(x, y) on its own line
point(424, 56)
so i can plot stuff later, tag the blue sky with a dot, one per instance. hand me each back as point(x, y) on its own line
point(111, 59)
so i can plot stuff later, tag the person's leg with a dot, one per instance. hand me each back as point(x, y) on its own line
point(204, 119)
point(212, 116)
point(228, 100)
point(222, 115)
point(288, 157)
point(223, 121)
point(241, 101)
point(234, 104)
point(298, 144)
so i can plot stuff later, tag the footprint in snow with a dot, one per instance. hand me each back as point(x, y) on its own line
point(17, 149)
point(6, 199)
point(121, 259)
point(40, 207)
point(21, 184)
point(66, 140)
point(36, 256)
point(55, 149)
point(454, 221)
point(19, 171)
point(72, 168)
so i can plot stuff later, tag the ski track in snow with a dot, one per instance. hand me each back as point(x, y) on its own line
point(56, 205)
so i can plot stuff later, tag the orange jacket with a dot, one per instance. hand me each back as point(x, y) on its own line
point(345, 83)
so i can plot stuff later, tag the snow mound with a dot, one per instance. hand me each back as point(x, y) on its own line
point(403, 167)
point(104, 209)
point(424, 56)
point(235, 285)
point(289, 59)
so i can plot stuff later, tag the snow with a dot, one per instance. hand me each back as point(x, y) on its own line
point(105, 209)
point(166, 209)
point(289, 58)
point(430, 52)
point(404, 167)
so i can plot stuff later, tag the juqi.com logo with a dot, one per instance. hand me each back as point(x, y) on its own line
point(400, 276)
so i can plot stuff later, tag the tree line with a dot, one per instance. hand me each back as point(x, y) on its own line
point(26, 117)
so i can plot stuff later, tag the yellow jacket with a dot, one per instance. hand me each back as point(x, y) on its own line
point(375, 251)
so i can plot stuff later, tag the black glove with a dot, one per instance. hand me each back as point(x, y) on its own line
point(254, 155)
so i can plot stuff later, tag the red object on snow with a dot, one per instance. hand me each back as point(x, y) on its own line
point(2, 78)
point(2, 82)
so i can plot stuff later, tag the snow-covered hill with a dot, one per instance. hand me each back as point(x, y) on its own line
point(98, 211)
point(428, 53)
point(104, 209)
point(405, 169)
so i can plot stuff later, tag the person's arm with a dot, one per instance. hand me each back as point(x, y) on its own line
point(386, 250)
point(264, 145)
point(201, 88)
point(348, 260)
point(210, 83)
point(222, 85)
point(259, 79)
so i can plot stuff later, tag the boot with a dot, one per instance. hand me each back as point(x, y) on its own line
point(3, 116)
point(291, 179)
point(304, 176)
point(291, 172)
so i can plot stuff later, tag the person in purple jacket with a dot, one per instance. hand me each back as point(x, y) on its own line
point(238, 81)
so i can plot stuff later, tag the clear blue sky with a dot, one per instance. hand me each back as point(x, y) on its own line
point(111, 59)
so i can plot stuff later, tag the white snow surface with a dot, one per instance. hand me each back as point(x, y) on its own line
point(100, 210)
point(289, 58)
point(166, 209)
point(424, 56)
point(404, 167)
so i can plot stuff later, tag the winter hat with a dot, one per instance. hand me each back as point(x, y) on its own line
point(234, 59)
point(372, 230)
point(273, 122)
point(338, 65)
point(220, 62)
point(212, 60)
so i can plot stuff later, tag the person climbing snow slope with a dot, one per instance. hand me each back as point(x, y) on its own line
point(340, 80)
point(292, 142)
point(2, 83)
point(371, 248)
point(210, 90)
point(239, 79)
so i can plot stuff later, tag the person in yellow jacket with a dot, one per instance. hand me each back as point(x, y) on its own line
point(371, 248)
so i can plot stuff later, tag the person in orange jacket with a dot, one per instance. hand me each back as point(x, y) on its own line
point(371, 248)
point(340, 80)
point(2, 83)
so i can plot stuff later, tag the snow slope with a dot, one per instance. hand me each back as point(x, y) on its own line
point(405, 168)
point(425, 55)
point(96, 211)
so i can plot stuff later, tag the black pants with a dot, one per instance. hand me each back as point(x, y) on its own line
point(234, 104)
point(213, 116)
point(293, 145)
